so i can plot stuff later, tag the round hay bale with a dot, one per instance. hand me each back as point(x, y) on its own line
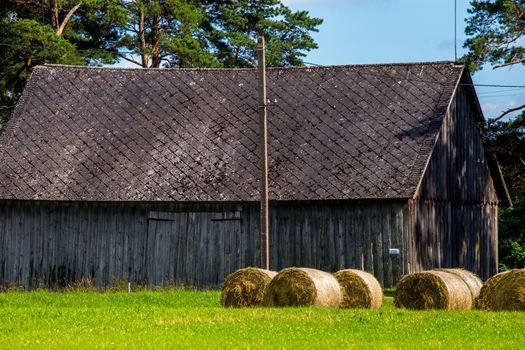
point(303, 287)
point(473, 282)
point(482, 301)
point(359, 289)
point(433, 290)
point(504, 292)
point(245, 287)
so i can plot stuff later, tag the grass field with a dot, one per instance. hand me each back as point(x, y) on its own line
point(191, 319)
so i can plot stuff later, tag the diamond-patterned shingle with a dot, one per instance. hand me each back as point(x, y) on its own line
point(343, 132)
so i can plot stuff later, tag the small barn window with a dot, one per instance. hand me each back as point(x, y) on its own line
point(226, 216)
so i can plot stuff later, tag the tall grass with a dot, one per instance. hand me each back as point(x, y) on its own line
point(194, 319)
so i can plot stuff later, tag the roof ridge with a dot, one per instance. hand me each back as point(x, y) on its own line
point(321, 67)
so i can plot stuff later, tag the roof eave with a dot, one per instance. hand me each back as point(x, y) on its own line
point(447, 111)
point(500, 185)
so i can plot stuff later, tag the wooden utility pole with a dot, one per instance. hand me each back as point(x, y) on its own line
point(261, 65)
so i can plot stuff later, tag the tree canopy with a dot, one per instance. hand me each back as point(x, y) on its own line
point(232, 28)
point(496, 37)
point(181, 33)
point(34, 32)
point(164, 33)
point(148, 33)
point(496, 31)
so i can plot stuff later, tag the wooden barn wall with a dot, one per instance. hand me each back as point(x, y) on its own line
point(331, 237)
point(52, 244)
point(455, 213)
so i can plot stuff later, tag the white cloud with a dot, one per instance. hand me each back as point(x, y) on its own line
point(490, 110)
point(493, 110)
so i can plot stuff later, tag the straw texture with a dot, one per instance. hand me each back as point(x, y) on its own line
point(359, 289)
point(473, 282)
point(303, 287)
point(246, 287)
point(433, 290)
point(504, 291)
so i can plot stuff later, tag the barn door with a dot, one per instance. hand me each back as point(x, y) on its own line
point(222, 255)
point(195, 249)
point(161, 247)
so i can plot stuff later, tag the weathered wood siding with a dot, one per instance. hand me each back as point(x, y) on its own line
point(56, 243)
point(334, 236)
point(454, 216)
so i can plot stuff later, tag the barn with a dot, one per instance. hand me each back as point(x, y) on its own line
point(152, 176)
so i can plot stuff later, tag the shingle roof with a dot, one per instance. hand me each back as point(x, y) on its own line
point(342, 132)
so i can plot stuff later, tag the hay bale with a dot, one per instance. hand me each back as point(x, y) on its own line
point(473, 282)
point(359, 289)
point(433, 290)
point(303, 287)
point(245, 287)
point(504, 291)
point(482, 301)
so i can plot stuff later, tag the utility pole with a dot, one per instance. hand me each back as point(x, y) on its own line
point(261, 69)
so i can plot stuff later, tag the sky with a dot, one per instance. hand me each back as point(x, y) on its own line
point(386, 31)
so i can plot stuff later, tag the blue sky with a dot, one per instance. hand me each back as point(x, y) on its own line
point(383, 31)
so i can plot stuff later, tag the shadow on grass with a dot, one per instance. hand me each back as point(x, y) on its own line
point(389, 292)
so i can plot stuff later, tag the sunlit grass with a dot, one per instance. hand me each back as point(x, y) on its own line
point(193, 319)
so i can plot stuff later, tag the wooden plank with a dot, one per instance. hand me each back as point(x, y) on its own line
point(181, 248)
point(340, 232)
point(331, 238)
point(277, 247)
point(305, 238)
point(237, 238)
point(377, 242)
point(388, 228)
point(217, 250)
point(242, 241)
point(5, 243)
point(298, 237)
point(11, 251)
point(368, 243)
point(250, 229)
point(353, 253)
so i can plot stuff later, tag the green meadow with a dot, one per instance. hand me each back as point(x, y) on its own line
point(194, 319)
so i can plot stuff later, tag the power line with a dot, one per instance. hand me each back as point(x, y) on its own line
point(502, 95)
point(499, 91)
point(496, 85)
point(509, 92)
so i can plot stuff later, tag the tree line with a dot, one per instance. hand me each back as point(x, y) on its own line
point(146, 33)
point(496, 38)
